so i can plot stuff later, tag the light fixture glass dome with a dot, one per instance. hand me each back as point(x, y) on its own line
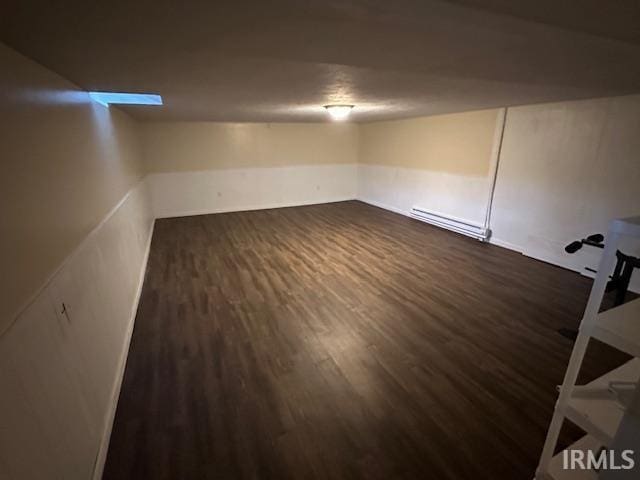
point(339, 112)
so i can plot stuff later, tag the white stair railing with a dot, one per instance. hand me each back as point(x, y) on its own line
point(601, 417)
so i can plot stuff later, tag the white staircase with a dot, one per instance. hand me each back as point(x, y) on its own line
point(607, 409)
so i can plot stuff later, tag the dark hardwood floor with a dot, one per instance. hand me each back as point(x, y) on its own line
point(341, 341)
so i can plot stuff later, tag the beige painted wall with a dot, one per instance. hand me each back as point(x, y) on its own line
point(191, 146)
point(66, 162)
point(459, 143)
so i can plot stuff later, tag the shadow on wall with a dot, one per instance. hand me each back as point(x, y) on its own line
point(67, 161)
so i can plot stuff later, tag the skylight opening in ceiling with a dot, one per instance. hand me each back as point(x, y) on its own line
point(122, 98)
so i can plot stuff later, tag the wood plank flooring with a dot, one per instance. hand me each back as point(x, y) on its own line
point(341, 341)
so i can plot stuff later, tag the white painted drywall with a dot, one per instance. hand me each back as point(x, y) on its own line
point(176, 194)
point(399, 189)
point(567, 169)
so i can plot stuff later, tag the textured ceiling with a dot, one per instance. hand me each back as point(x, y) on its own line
point(282, 60)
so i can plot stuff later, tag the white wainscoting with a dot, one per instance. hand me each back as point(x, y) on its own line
point(399, 189)
point(62, 359)
point(214, 191)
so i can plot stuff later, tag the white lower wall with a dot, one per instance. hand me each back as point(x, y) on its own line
point(399, 189)
point(210, 191)
point(61, 366)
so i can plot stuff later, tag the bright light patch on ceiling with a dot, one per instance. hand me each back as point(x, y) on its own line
point(339, 112)
point(119, 98)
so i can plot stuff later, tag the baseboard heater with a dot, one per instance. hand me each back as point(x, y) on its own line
point(449, 222)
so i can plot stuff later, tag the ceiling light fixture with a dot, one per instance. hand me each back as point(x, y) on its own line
point(121, 98)
point(339, 112)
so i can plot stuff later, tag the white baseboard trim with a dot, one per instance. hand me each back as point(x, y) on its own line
point(383, 206)
point(551, 261)
point(507, 245)
point(101, 457)
point(247, 208)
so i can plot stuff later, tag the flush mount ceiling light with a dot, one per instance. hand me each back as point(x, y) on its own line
point(339, 112)
point(121, 98)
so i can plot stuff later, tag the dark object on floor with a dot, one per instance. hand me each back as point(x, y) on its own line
point(594, 240)
point(625, 265)
point(620, 279)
